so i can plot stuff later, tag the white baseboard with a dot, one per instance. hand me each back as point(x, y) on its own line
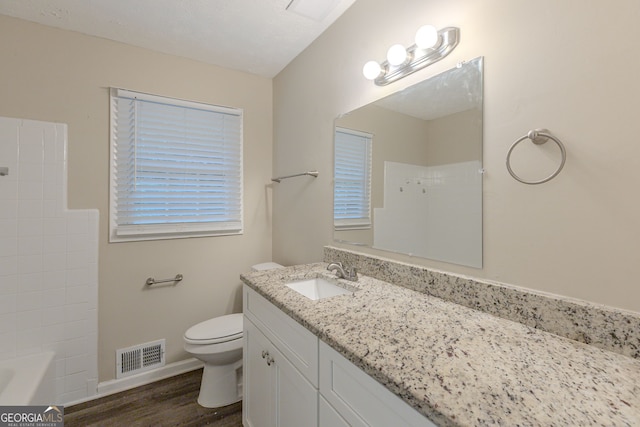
point(116, 386)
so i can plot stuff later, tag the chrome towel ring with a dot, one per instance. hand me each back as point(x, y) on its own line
point(537, 136)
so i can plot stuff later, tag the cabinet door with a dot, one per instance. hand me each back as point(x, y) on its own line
point(328, 416)
point(275, 392)
point(258, 406)
point(296, 398)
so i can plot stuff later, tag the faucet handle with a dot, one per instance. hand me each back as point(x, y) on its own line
point(352, 273)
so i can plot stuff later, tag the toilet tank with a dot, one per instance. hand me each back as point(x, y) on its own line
point(266, 266)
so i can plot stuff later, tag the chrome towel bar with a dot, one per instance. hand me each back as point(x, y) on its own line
point(151, 281)
point(310, 173)
point(537, 136)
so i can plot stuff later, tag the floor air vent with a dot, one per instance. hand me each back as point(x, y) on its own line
point(139, 358)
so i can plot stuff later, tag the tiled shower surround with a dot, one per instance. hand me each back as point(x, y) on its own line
point(48, 259)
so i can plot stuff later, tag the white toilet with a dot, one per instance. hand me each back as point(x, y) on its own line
point(218, 343)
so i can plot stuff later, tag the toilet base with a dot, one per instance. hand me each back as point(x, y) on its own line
point(221, 385)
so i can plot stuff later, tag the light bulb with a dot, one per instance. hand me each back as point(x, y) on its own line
point(426, 37)
point(371, 70)
point(396, 54)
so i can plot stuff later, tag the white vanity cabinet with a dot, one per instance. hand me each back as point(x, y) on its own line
point(280, 367)
point(276, 394)
point(349, 397)
point(292, 379)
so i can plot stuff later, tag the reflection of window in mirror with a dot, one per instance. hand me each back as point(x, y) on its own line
point(352, 187)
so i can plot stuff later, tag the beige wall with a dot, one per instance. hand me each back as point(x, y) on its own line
point(61, 76)
point(570, 66)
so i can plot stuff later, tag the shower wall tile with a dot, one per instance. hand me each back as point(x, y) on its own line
point(48, 259)
point(76, 295)
point(26, 301)
point(55, 280)
point(30, 282)
point(30, 245)
point(54, 226)
point(75, 365)
point(9, 195)
point(53, 315)
point(28, 342)
point(77, 259)
point(7, 323)
point(53, 261)
point(8, 344)
point(30, 227)
point(8, 151)
point(28, 320)
point(28, 264)
point(30, 190)
point(8, 246)
point(9, 265)
point(8, 226)
point(54, 334)
point(78, 277)
point(55, 297)
point(8, 304)
point(30, 208)
point(8, 285)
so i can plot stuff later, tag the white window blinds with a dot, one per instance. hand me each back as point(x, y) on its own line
point(352, 186)
point(176, 168)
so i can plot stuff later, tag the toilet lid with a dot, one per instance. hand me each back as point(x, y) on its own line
point(216, 330)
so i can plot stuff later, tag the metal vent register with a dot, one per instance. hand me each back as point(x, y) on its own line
point(139, 358)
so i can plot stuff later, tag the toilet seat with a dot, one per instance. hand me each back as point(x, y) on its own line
point(217, 330)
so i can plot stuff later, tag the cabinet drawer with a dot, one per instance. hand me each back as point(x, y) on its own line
point(360, 399)
point(296, 343)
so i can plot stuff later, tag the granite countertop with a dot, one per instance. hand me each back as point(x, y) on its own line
point(459, 366)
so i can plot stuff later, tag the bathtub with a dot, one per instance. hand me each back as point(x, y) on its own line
point(28, 380)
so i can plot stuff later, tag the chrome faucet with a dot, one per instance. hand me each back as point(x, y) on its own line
point(350, 273)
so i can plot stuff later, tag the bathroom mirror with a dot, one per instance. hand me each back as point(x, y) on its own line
point(408, 170)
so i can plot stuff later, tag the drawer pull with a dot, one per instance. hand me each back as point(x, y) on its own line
point(265, 353)
point(270, 361)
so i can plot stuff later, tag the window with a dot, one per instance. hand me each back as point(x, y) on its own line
point(176, 168)
point(352, 187)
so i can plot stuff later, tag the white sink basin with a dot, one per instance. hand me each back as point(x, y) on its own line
point(317, 288)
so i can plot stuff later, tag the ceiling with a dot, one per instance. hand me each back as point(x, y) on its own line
point(256, 36)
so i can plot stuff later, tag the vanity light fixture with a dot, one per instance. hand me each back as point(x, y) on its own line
point(397, 55)
point(430, 46)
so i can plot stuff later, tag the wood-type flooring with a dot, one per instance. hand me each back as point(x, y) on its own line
point(169, 402)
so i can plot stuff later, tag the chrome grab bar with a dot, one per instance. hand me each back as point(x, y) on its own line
point(151, 281)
